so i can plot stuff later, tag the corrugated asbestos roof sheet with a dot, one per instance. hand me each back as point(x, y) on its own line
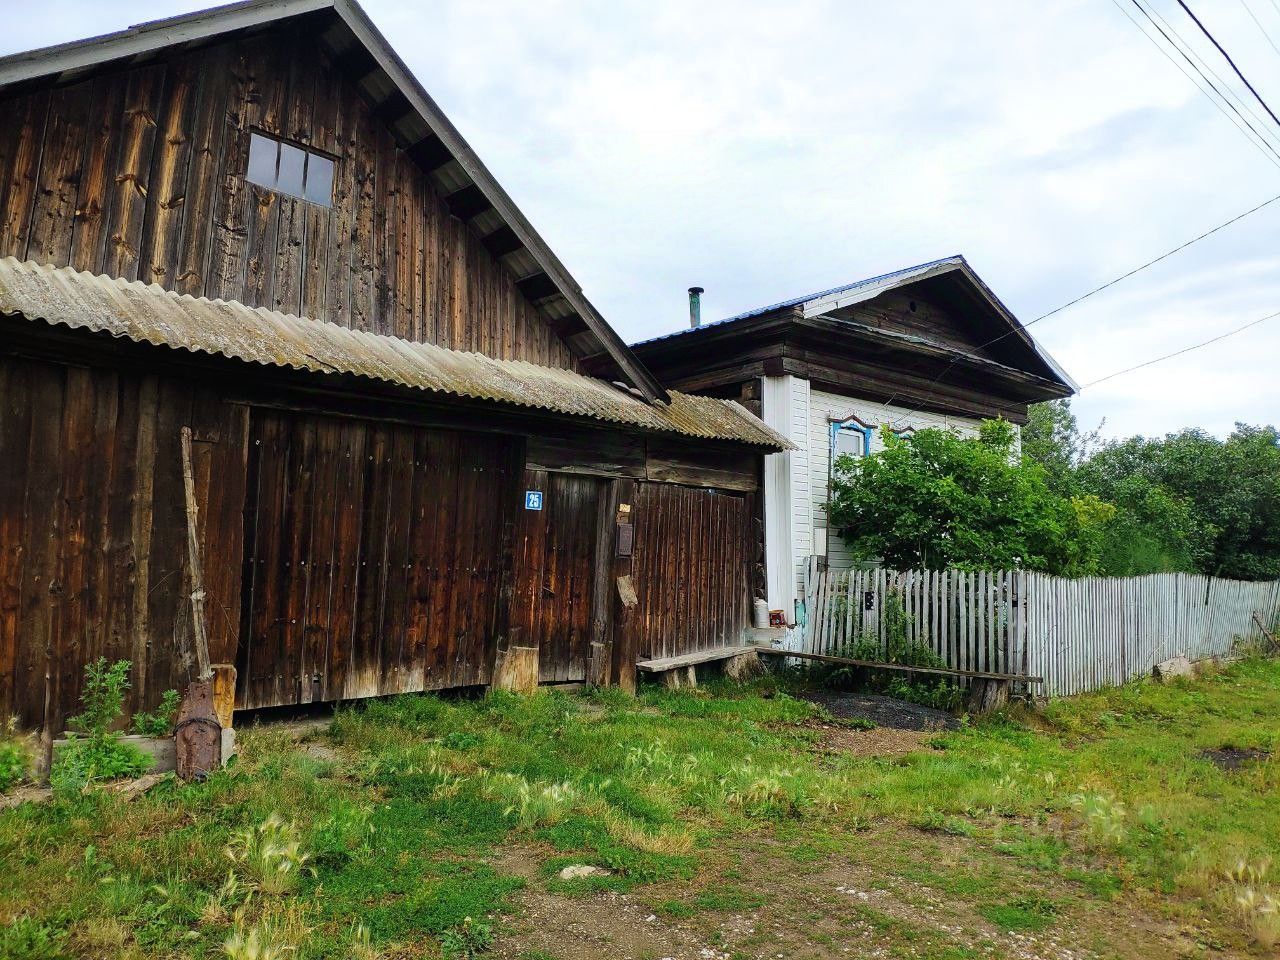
point(149, 314)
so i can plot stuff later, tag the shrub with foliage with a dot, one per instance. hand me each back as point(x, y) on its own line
point(13, 758)
point(160, 723)
point(934, 499)
point(94, 752)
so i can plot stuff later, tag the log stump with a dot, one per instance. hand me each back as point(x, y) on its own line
point(681, 678)
point(987, 695)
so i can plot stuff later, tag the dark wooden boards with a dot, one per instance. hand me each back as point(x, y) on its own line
point(690, 569)
point(92, 531)
point(376, 558)
point(554, 598)
point(139, 173)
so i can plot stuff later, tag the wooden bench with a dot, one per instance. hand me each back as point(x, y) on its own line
point(990, 692)
point(681, 671)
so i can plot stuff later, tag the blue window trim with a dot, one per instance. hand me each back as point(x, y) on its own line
point(851, 425)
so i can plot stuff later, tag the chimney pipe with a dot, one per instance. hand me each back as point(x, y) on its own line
point(695, 307)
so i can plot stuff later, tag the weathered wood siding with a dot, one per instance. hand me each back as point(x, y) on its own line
point(140, 174)
point(93, 531)
point(691, 568)
point(554, 605)
point(376, 558)
point(1076, 634)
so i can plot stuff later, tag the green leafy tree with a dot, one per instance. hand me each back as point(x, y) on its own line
point(1212, 505)
point(1053, 439)
point(934, 499)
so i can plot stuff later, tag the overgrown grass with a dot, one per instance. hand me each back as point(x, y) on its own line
point(395, 842)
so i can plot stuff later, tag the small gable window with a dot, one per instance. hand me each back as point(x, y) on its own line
point(291, 170)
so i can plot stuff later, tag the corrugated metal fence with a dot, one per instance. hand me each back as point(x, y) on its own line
point(1078, 635)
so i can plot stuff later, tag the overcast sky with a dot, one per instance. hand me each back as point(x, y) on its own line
point(766, 150)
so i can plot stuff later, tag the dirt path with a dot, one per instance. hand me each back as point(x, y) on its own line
point(759, 901)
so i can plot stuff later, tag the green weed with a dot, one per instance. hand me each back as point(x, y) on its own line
point(1023, 913)
point(94, 752)
point(160, 722)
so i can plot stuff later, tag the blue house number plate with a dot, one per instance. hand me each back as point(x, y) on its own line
point(533, 499)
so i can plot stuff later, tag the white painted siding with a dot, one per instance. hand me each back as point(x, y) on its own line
point(823, 409)
point(801, 469)
point(776, 395)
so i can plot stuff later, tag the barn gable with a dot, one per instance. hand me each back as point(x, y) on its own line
point(129, 152)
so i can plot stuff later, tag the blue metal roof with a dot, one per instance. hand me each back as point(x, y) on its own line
point(796, 301)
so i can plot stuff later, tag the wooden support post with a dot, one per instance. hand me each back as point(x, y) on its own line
point(224, 693)
point(625, 632)
point(681, 678)
point(516, 670)
point(625, 646)
point(600, 660)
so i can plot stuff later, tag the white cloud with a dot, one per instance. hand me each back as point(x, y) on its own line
point(767, 149)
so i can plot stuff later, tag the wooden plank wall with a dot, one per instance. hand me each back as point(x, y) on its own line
point(691, 568)
point(554, 597)
point(93, 531)
point(140, 174)
point(376, 557)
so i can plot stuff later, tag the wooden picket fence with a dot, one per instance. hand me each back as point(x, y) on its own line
point(1079, 635)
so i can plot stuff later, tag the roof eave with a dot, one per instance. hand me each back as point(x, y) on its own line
point(938, 268)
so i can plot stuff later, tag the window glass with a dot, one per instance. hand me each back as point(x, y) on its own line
point(849, 440)
point(291, 170)
point(319, 180)
point(262, 161)
point(293, 165)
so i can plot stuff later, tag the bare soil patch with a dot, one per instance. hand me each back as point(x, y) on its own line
point(1235, 758)
point(877, 742)
point(882, 711)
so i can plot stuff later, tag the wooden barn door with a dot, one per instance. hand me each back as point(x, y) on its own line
point(694, 548)
point(375, 558)
point(555, 606)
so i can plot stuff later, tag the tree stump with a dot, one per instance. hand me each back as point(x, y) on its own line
point(987, 695)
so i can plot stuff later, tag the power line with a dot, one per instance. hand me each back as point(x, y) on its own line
point(1250, 132)
point(1265, 32)
point(1262, 142)
point(1084, 296)
point(1243, 78)
point(1190, 49)
point(1149, 263)
point(1178, 353)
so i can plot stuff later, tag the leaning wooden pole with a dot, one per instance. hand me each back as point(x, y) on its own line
point(1272, 643)
point(193, 560)
point(198, 740)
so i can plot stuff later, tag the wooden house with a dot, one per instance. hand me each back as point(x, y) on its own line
point(255, 223)
point(926, 346)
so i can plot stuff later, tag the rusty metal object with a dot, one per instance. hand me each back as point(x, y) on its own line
point(198, 734)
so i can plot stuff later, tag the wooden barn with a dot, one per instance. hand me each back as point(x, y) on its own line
point(253, 222)
point(925, 346)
